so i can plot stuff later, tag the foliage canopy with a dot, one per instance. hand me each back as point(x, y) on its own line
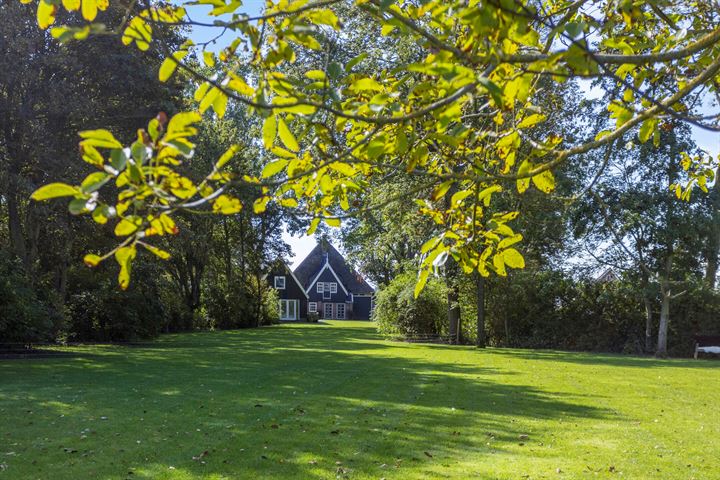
point(463, 116)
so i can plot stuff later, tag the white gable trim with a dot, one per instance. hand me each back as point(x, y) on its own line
point(327, 265)
point(297, 281)
point(294, 278)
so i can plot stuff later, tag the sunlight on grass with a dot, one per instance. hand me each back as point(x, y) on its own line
point(337, 401)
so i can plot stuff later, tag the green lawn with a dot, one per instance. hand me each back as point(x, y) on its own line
point(336, 401)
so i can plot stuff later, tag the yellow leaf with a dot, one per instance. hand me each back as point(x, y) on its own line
point(89, 9)
point(54, 190)
point(332, 221)
point(513, 258)
point(220, 104)
point(269, 131)
point(313, 226)
point(127, 226)
point(209, 59)
point(274, 167)
point(260, 204)
point(71, 5)
point(287, 137)
point(156, 251)
point(315, 75)
point(46, 14)
point(227, 156)
point(170, 64)
point(499, 264)
point(92, 260)
point(531, 120)
point(227, 205)
point(99, 138)
point(524, 183)
point(544, 181)
point(124, 257)
point(422, 280)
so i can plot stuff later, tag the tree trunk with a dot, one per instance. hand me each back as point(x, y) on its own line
point(712, 249)
point(648, 324)
point(480, 299)
point(453, 295)
point(661, 351)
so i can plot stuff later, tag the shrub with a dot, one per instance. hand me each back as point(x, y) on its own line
point(100, 311)
point(239, 305)
point(27, 315)
point(398, 313)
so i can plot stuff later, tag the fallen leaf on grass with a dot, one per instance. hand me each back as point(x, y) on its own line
point(428, 454)
point(199, 457)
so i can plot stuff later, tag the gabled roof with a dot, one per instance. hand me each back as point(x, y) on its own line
point(309, 269)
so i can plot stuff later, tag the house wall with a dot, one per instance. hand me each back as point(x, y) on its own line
point(361, 307)
point(292, 290)
point(327, 276)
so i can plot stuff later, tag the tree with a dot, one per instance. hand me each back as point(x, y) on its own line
point(652, 234)
point(326, 135)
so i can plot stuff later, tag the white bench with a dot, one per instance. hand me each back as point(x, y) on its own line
point(707, 344)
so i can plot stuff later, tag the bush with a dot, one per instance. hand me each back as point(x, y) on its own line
point(240, 305)
point(27, 315)
point(398, 313)
point(100, 311)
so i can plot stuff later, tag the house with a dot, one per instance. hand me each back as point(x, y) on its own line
point(322, 283)
point(607, 276)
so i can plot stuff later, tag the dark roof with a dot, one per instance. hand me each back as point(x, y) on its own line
point(315, 261)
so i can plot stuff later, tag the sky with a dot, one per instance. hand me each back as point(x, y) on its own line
point(302, 245)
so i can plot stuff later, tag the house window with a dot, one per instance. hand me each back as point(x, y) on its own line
point(320, 287)
point(340, 311)
point(280, 283)
point(333, 287)
point(312, 307)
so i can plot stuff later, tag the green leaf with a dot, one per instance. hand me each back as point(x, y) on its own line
point(54, 190)
point(647, 129)
point(94, 182)
point(99, 138)
point(274, 167)
point(287, 137)
point(78, 206)
point(269, 131)
point(493, 90)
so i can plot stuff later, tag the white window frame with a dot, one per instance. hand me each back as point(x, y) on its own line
point(333, 287)
point(325, 309)
point(337, 311)
point(320, 287)
point(312, 307)
point(280, 277)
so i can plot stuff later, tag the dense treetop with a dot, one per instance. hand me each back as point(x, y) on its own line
point(452, 98)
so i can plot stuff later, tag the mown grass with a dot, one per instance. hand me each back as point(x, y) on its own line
point(337, 401)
